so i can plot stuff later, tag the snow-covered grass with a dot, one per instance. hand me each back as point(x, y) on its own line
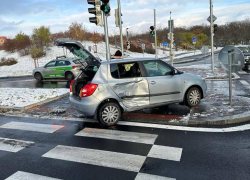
point(25, 64)
point(21, 97)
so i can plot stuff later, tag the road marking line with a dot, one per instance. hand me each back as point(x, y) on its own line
point(118, 135)
point(13, 145)
point(244, 83)
point(20, 175)
point(165, 152)
point(242, 72)
point(97, 157)
point(143, 176)
point(45, 128)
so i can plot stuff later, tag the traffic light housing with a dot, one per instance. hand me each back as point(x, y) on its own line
point(215, 28)
point(96, 11)
point(152, 28)
point(105, 7)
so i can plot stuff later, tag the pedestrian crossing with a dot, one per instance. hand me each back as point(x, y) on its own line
point(83, 154)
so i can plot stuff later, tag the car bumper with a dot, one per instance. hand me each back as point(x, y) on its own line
point(86, 105)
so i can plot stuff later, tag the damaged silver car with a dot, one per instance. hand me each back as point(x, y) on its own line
point(107, 89)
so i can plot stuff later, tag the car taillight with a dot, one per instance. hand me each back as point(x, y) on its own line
point(88, 90)
point(71, 83)
point(73, 67)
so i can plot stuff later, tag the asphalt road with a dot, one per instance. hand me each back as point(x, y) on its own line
point(45, 148)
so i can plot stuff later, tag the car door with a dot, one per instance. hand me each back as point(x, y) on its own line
point(49, 69)
point(163, 86)
point(127, 83)
point(61, 68)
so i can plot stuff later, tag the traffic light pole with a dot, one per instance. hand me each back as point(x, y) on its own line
point(127, 36)
point(120, 23)
point(106, 36)
point(212, 34)
point(156, 56)
point(171, 39)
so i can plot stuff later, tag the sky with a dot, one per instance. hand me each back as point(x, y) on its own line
point(25, 15)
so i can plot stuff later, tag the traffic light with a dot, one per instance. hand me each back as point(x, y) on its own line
point(105, 7)
point(152, 28)
point(96, 11)
point(171, 36)
point(215, 27)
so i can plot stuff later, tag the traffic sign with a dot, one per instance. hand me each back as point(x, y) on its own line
point(194, 39)
point(209, 18)
point(143, 46)
point(165, 44)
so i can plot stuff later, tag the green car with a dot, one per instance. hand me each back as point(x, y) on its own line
point(61, 67)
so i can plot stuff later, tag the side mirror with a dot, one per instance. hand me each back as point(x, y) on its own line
point(174, 72)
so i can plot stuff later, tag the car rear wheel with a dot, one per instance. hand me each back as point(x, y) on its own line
point(69, 76)
point(109, 114)
point(38, 76)
point(193, 97)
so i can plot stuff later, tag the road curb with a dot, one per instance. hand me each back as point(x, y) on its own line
point(15, 76)
point(21, 109)
point(227, 120)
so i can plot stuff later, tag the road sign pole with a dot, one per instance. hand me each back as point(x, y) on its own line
point(230, 77)
point(155, 34)
point(120, 26)
point(127, 36)
point(212, 34)
point(106, 36)
point(171, 55)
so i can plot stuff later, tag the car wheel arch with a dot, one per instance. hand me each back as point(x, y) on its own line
point(106, 101)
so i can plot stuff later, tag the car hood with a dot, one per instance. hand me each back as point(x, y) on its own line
point(76, 48)
point(191, 76)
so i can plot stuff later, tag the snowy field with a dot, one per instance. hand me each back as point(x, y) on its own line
point(21, 97)
point(25, 64)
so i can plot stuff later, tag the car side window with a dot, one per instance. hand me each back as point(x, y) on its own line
point(125, 70)
point(61, 63)
point(51, 64)
point(157, 68)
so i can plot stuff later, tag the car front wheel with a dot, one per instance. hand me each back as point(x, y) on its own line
point(193, 97)
point(109, 114)
point(38, 76)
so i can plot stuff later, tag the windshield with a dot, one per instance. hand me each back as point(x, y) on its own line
point(244, 49)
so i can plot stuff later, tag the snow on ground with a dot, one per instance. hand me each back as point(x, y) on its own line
point(205, 71)
point(21, 97)
point(25, 64)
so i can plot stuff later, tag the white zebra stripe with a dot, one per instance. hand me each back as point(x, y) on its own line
point(165, 152)
point(44, 128)
point(143, 176)
point(13, 145)
point(97, 157)
point(20, 175)
point(118, 135)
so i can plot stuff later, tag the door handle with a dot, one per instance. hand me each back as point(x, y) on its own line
point(153, 82)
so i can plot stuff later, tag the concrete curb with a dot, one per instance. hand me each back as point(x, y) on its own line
point(15, 76)
point(21, 109)
point(234, 119)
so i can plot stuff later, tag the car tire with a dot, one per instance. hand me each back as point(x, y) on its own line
point(38, 76)
point(193, 97)
point(69, 76)
point(109, 114)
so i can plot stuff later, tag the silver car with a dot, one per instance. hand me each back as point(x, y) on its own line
point(61, 67)
point(107, 89)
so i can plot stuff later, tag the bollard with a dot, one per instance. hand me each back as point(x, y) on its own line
point(230, 77)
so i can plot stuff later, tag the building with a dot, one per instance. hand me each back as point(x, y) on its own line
point(2, 39)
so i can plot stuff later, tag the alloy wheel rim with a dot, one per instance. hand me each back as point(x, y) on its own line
point(194, 97)
point(110, 114)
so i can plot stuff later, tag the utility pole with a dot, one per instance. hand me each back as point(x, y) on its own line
point(171, 42)
point(156, 56)
point(120, 26)
point(212, 34)
point(106, 36)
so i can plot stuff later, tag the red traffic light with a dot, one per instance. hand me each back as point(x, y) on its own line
point(152, 28)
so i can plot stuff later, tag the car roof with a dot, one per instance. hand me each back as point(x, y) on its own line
point(127, 60)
